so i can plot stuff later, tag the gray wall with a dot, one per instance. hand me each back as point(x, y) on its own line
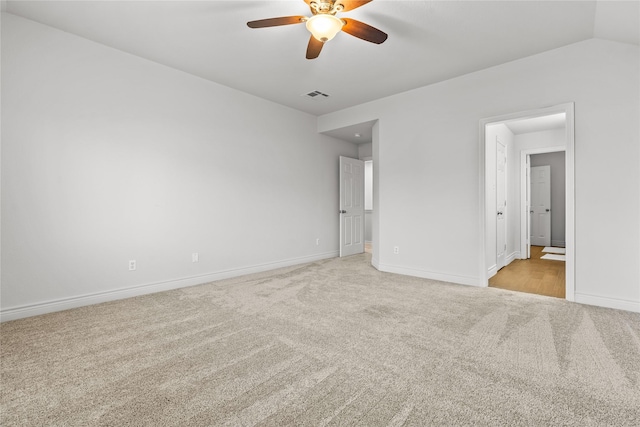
point(557, 163)
point(107, 157)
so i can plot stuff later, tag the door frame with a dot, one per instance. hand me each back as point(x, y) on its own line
point(568, 109)
point(525, 218)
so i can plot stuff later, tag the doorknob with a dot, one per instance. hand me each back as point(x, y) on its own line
point(547, 210)
point(342, 211)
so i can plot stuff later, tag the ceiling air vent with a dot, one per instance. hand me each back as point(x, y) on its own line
point(316, 94)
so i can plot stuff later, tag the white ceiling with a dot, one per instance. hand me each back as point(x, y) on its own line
point(349, 133)
point(429, 41)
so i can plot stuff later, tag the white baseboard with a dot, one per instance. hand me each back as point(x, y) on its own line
point(443, 277)
point(607, 302)
point(20, 312)
point(375, 263)
point(558, 243)
point(492, 271)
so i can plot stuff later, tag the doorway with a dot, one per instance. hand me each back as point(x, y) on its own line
point(365, 135)
point(544, 199)
point(516, 215)
point(541, 269)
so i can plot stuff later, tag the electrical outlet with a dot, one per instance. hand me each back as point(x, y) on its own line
point(396, 250)
point(195, 257)
point(318, 241)
point(132, 265)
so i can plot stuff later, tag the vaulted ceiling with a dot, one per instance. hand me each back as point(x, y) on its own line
point(429, 41)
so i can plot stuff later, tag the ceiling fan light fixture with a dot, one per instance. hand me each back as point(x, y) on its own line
point(324, 27)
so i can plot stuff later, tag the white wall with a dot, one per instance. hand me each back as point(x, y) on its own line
point(428, 191)
point(368, 185)
point(107, 157)
point(542, 139)
point(368, 199)
point(365, 151)
point(556, 162)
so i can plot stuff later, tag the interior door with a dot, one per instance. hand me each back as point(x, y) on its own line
point(501, 204)
point(541, 205)
point(351, 206)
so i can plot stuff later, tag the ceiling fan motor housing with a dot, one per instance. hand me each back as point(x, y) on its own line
point(325, 7)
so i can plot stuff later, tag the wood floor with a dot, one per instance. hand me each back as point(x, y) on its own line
point(534, 276)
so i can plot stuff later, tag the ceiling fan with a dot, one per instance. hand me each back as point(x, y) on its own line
point(324, 24)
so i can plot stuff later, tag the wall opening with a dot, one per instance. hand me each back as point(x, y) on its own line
point(524, 134)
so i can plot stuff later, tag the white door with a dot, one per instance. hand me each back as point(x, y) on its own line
point(541, 205)
point(501, 204)
point(351, 206)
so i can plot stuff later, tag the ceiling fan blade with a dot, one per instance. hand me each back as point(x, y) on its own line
point(363, 31)
point(274, 22)
point(352, 4)
point(314, 48)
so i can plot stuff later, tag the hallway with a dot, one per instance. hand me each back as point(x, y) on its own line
point(534, 276)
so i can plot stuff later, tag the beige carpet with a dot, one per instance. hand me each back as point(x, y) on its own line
point(329, 343)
